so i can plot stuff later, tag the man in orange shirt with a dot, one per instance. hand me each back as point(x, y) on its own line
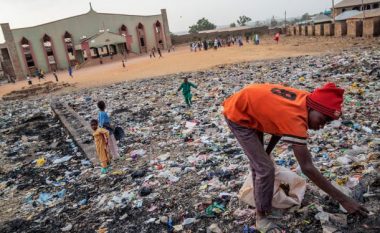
point(285, 113)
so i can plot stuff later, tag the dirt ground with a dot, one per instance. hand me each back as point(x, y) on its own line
point(182, 60)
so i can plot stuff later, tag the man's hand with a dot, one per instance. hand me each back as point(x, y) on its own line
point(353, 207)
point(304, 159)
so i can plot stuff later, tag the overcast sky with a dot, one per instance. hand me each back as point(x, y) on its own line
point(181, 13)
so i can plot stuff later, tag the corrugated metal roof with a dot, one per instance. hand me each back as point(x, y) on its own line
point(346, 3)
point(103, 38)
point(229, 29)
point(321, 19)
point(367, 14)
point(346, 15)
point(304, 22)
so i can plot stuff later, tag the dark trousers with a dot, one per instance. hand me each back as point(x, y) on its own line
point(261, 164)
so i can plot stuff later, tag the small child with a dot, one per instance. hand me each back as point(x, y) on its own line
point(104, 122)
point(277, 37)
point(29, 80)
point(55, 75)
point(101, 137)
point(186, 91)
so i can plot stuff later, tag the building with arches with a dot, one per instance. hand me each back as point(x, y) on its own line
point(59, 44)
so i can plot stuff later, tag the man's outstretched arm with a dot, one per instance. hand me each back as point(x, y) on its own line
point(193, 85)
point(304, 159)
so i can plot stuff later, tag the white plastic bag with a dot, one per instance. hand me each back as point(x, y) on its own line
point(297, 187)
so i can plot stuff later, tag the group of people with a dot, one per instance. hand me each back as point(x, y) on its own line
point(283, 112)
point(153, 52)
point(230, 41)
point(40, 74)
point(206, 44)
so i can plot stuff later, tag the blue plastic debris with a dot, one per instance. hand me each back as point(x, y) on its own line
point(44, 197)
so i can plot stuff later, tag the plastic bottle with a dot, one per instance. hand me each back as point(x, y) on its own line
point(246, 229)
point(367, 129)
point(170, 225)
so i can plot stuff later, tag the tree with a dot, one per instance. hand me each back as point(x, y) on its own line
point(273, 22)
point(243, 20)
point(202, 25)
point(258, 24)
point(232, 25)
point(305, 17)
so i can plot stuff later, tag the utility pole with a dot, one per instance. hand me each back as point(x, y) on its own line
point(285, 18)
point(285, 23)
point(333, 10)
point(363, 9)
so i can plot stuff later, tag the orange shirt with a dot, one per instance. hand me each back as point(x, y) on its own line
point(272, 109)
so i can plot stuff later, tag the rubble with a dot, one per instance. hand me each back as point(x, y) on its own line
point(181, 169)
point(35, 90)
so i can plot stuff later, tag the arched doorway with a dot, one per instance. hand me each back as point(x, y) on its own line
point(49, 52)
point(69, 45)
point(94, 52)
point(158, 34)
point(28, 56)
point(127, 45)
point(142, 38)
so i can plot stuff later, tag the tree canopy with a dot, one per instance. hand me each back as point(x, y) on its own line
point(232, 25)
point(305, 17)
point(273, 22)
point(201, 25)
point(243, 20)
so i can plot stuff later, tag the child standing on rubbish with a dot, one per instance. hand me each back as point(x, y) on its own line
point(286, 113)
point(104, 122)
point(101, 138)
point(186, 91)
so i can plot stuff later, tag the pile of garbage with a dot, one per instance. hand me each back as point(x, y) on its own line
point(181, 169)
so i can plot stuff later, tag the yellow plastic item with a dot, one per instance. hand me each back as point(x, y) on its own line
point(118, 172)
point(203, 187)
point(41, 161)
point(341, 181)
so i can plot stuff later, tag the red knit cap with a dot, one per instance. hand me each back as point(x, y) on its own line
point(327, 100)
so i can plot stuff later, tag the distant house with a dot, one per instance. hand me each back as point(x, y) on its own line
point(359, 5)
point(365, 24)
